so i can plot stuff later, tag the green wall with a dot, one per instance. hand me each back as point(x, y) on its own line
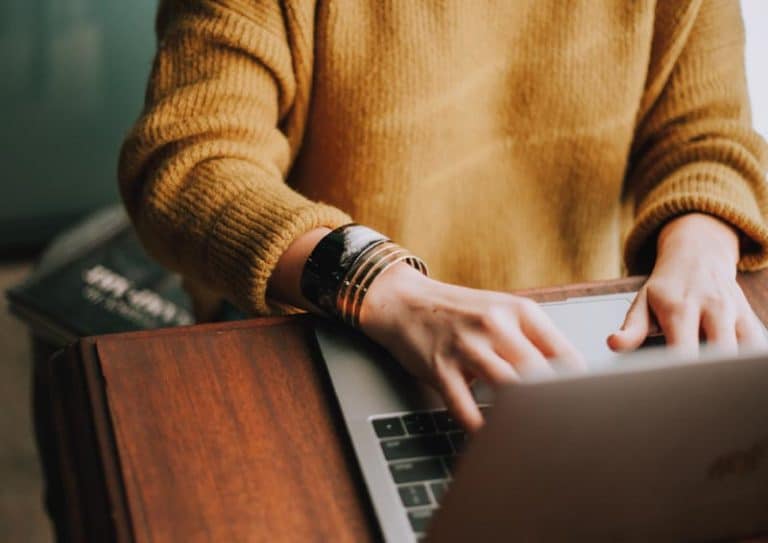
point(72, 77)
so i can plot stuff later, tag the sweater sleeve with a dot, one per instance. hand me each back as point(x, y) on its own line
point(694, 147)
point(202, 173)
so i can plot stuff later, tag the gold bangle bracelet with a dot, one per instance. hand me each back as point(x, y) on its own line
point(359, 279)
point(350, 283)
point(359, 295)
point(357, 282)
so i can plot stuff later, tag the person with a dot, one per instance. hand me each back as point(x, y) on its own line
point(505, 144)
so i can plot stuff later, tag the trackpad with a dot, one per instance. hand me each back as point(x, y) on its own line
point(587, 323)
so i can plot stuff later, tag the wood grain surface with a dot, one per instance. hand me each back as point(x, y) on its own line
point(229, 432)
point(225, 434)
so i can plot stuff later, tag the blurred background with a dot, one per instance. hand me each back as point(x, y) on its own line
point(72, 76)
point(756, 22)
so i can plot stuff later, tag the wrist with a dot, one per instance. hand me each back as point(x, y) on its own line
point(389, 296)
point(701, 234)
point(285, 282)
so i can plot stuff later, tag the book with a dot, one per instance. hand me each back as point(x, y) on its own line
point(96, 278)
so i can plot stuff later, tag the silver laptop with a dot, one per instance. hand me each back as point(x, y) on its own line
point(640, 448)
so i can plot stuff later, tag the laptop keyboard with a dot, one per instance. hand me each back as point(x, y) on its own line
point(420, 449)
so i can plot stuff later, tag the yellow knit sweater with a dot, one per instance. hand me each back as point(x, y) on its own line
point(508, 143)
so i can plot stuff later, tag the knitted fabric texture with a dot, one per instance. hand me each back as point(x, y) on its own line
point(508, 144)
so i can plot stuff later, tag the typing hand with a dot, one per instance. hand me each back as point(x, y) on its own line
point(693, 290)
point(449, 335)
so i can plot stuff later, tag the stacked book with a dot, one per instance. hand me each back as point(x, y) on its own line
point(96, 279)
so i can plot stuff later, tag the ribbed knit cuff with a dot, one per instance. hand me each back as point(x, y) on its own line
point(254, 243)
point(255, 221)
point(709, 188)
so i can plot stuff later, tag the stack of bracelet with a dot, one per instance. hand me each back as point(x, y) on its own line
point(343, 266)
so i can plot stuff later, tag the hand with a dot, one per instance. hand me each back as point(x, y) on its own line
point(449, 335)
point(693, 289)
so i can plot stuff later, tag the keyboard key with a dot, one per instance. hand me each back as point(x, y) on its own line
point(391, 427)
point(414, 495)
point(450, 463)
point(445, 421)
point(413, 447)
point(417, 470)
point(420, 519)
point(654, 340)
point(458, 440)
point(419, 423)
point(438, 489)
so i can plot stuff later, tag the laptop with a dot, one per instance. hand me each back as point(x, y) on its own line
point(642, 447)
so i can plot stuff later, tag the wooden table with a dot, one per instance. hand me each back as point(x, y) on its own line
point(223, 432)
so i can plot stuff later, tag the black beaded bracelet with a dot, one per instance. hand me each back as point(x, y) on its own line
point(331, 260)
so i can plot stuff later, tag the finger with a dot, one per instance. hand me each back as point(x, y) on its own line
point(750, 331)
point(459, 400)
point(492, 368)
point(636, 325)
point(550, 342)
point(680, 325)
point(516, 349)
point(720, 329)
